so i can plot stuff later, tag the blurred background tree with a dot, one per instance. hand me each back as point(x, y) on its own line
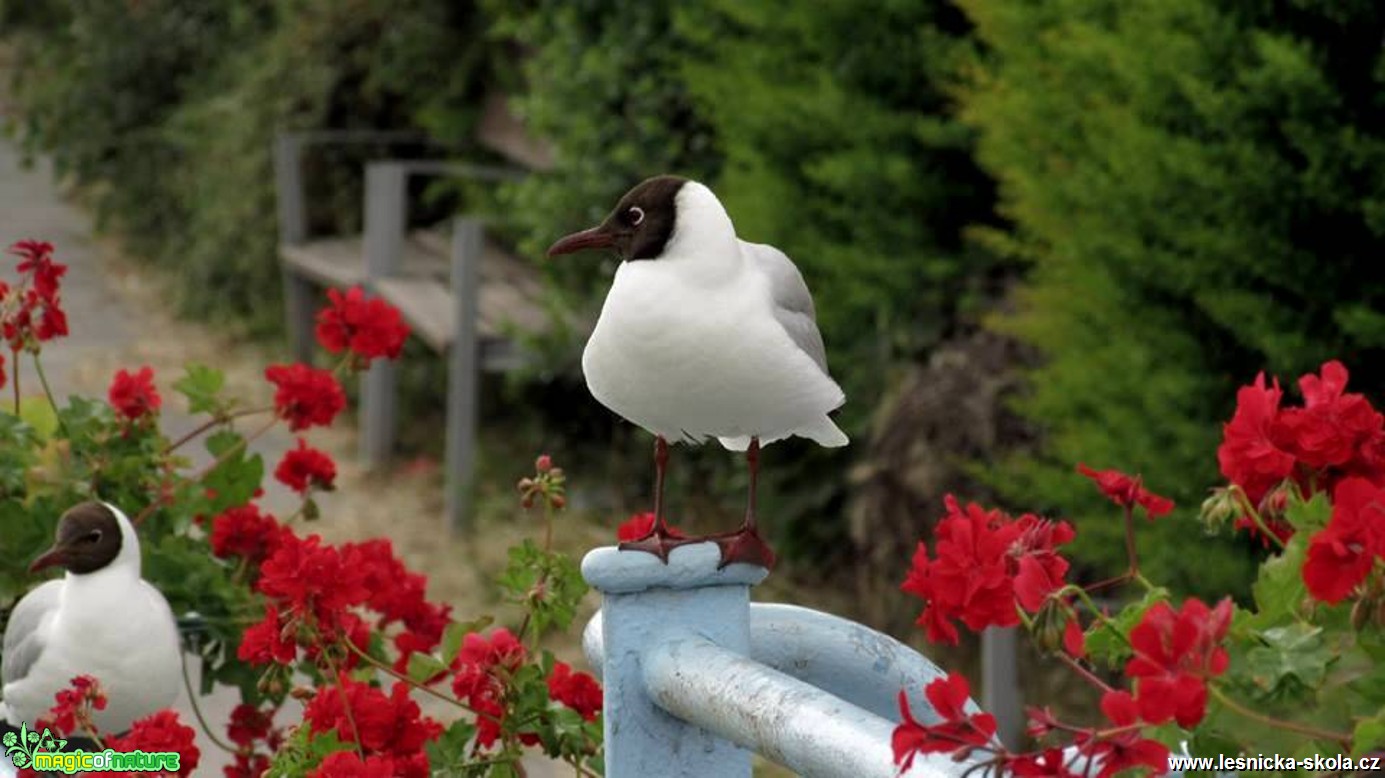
point(1038, 234)
point(1199, 188)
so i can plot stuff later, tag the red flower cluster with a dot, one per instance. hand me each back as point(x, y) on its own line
point(1125, 748)
point(370, 328)
point(389, 726)
point(958, 733)
point(133, 395)
point(249, 725)
point(1176, 652)
point(987, 562)
point(305, 396)
point(305, 468)
point(1127, 491)
point(314, 584)
point(400, 596)
point(578, 691)
point(1341, 555)
point(1333, 436)
point(482, 668)
point(349, 764)
point(32, 313)
point(72, 707)
point(639, 526)
point(162, 731)
point(247, 533)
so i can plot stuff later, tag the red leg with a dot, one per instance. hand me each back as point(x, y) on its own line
point(660, 541)
point(745, 544)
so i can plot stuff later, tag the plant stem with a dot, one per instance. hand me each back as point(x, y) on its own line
point(204, 472)
point(1087, 675)
point(14, 360)
point(345, 702)
point(197, 711)
point(1270, 721)
point(48, 392)
point(398, 676)
point(1256, 518)
point(212, 422)
point(1130, 541)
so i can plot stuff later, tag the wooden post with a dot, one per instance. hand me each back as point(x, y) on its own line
point(293, 229)
point(1000, 689)
point(386, 219)
point(463, 371)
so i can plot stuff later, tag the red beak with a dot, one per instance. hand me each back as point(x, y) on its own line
point(594, 238)
point(50, 558)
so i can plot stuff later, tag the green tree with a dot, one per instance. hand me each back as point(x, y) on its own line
point(1198, 186)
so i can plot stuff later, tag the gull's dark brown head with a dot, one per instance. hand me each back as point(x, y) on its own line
point(638, 228)
point(88, 539)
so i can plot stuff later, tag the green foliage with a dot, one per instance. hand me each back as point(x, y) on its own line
point(168, 110)
point(1196, 186)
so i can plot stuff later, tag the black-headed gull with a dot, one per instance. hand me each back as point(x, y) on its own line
point(704, 335)
point(100, 619)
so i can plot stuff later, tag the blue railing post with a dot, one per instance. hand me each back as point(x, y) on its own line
point(645, 602)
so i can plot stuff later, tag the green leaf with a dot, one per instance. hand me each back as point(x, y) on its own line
point(1293, 658)
point(201, 385)
point(1310, 515)
point(423, 667)
point(1279, 591)
point(450, 748)
point(1110, 643)
point(1368, 736)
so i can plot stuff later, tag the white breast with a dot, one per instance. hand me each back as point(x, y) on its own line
point(688, 358)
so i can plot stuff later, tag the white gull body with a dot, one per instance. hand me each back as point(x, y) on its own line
point(110, 624)
point(714, 338)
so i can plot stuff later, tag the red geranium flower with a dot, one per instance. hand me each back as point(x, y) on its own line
point(391, 724)
point(72, 706)
point(36, 257)
point(247, 766)
point(1333, 426)
point(1128, 749)
point(1175, 653)
point(348, 764)
point(246, 532)
point(483, 667)
point(305, 467)
point(986, 562)
point(958, 731)
point(161, 732)
point(639, 526)
point(133, 395)
point(265, 641)
point(369, 327)
point(1341, 555)
point(313, 580)
point(578, 691)
point(1250, 455)
point(305, 396)
point(248, 724)
point(1127, 491)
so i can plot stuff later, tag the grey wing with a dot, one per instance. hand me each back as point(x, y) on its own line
point(24, 636)
point(793, 304)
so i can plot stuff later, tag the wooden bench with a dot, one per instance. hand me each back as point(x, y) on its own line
point(463, 296)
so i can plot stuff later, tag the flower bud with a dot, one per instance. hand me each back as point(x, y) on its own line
point(1361, 612)
point(527, 501)
point(558, 502)
point(1049, 622)
point(544, 463)
point(302, 693)
point(1220, 508)
point(526, 484)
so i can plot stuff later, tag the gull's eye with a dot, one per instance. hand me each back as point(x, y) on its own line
point(635, 216)
point(92, 537)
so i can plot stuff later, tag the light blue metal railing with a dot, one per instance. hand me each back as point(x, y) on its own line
point(697, 677)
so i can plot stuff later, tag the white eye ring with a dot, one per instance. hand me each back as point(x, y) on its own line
point(636, 215)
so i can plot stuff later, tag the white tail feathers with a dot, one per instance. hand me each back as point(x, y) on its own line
point(823, 432)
